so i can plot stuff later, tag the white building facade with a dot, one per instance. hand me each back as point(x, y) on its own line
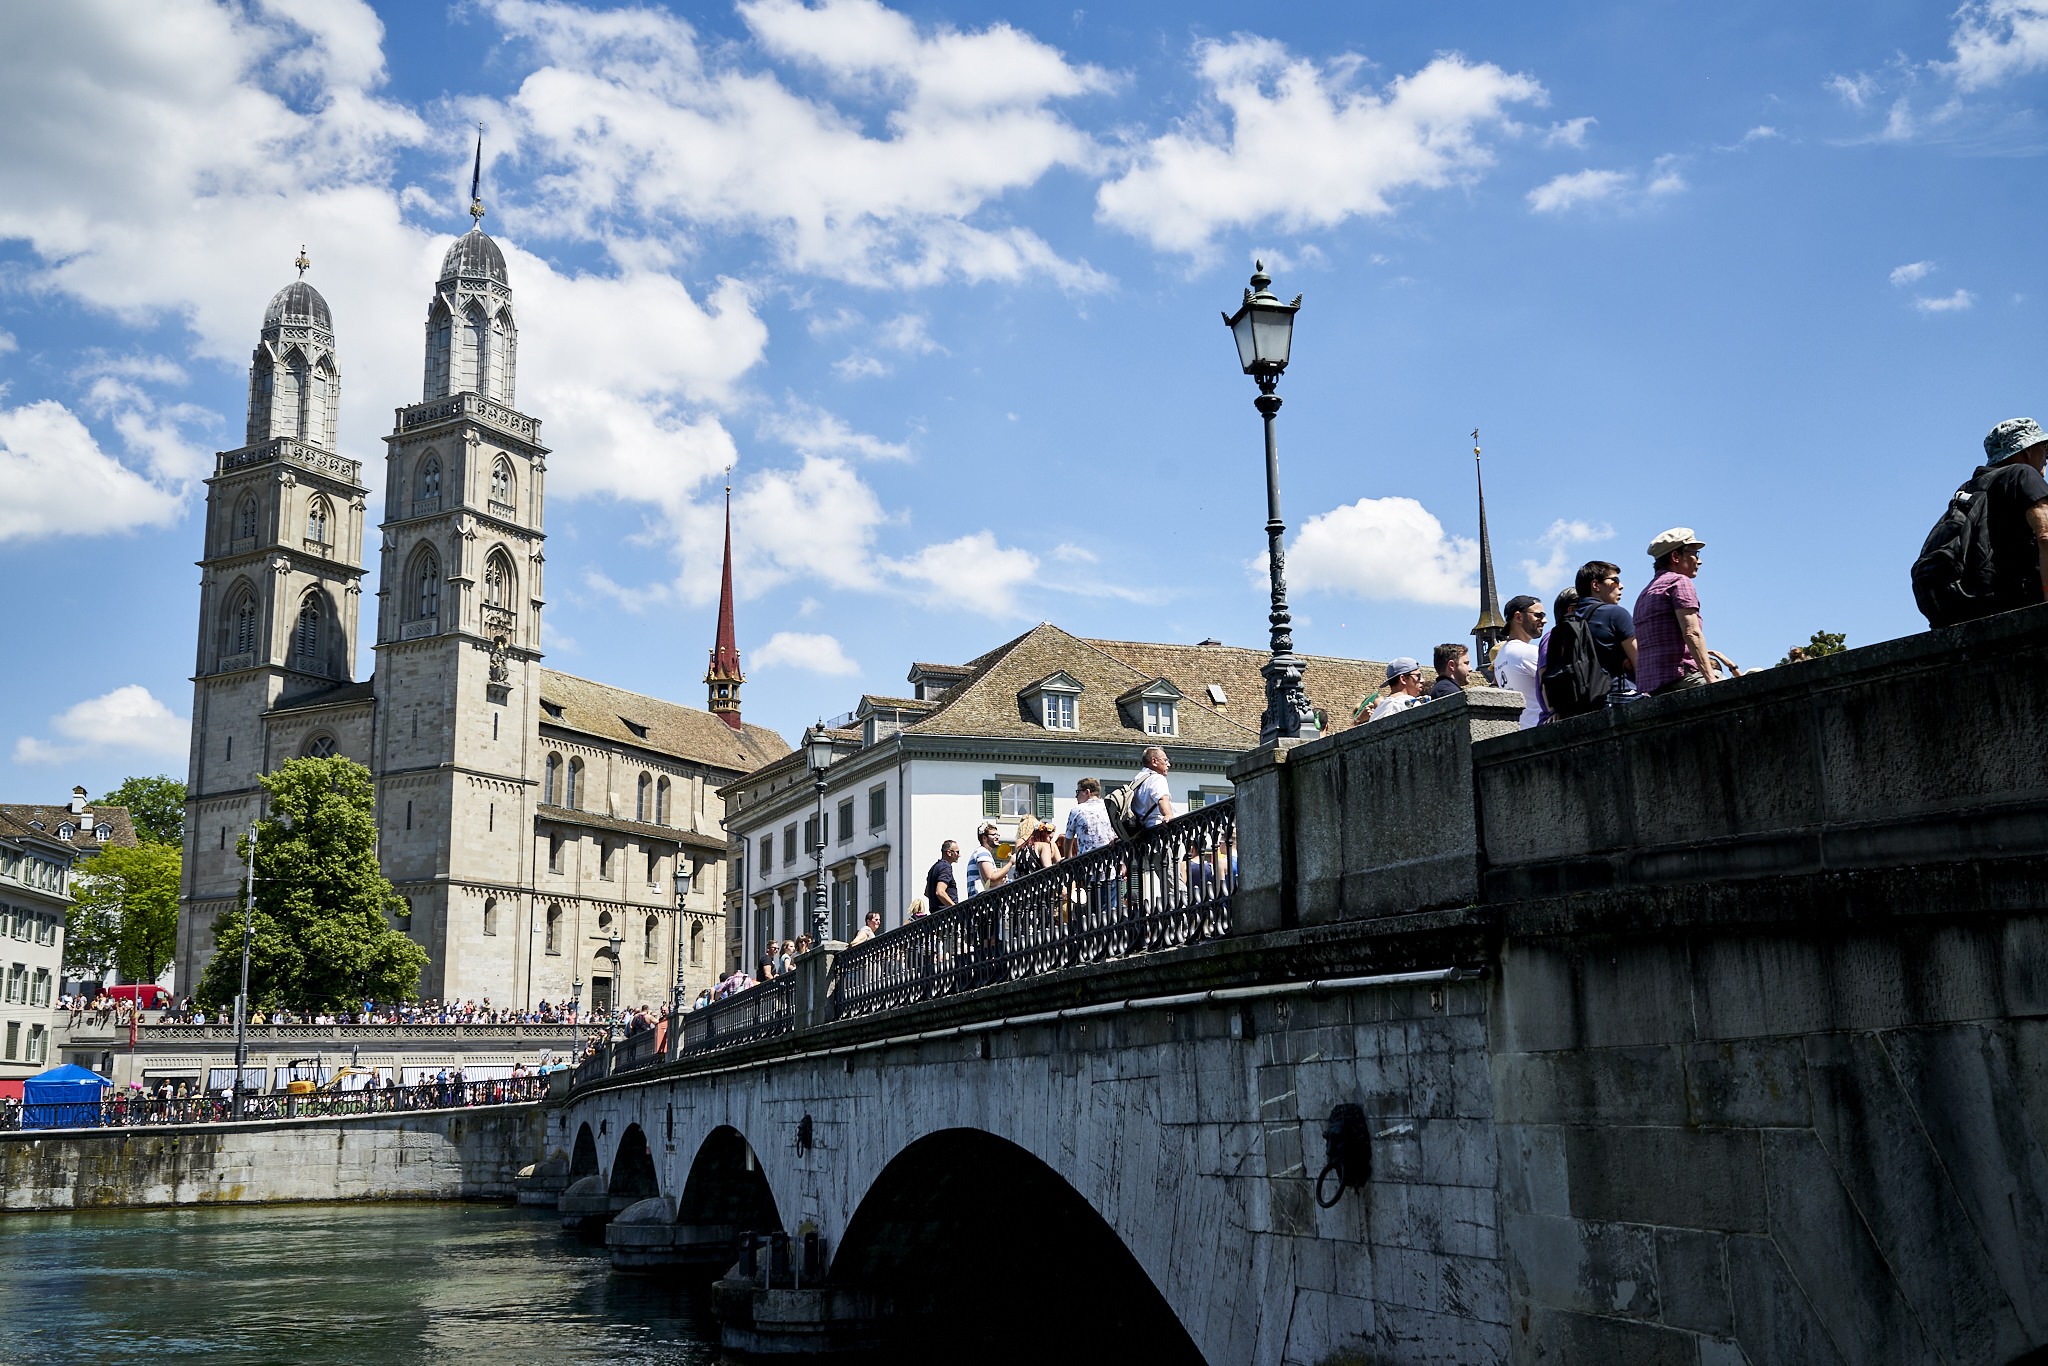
point(35, 894)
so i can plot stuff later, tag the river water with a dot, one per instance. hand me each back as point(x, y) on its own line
point(379, 1285)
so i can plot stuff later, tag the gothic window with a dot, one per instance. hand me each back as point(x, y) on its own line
point(697, 942)
point(575, 783)
point(661, 802)
point(430, 478)
point(320, 421)
point(501, 482)
point(605, 850)
point(497, 582)
point(476, 339)
point(554, 929)
point(553, 781)
point(246, 522)
point(428, 579)
point(640, 803)
point(653, 935)
point(245, 625)
point(320, 747)
point(307, 637)
point(299, 419)
point(490, 915)
point(316, 521)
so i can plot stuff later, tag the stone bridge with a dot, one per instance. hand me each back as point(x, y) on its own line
point(1711, 1031)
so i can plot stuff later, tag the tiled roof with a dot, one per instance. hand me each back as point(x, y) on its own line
point(957, 670)
point(599, 710)
point(594, 820)
point(869, 701)
point(987, 703)
point(84, 844)
point(328, 697)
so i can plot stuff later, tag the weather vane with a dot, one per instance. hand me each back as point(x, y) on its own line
point(302, 263)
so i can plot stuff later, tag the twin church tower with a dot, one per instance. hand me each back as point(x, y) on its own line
point(544, 830)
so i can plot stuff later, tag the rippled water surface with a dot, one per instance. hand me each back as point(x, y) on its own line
point(383, 1285)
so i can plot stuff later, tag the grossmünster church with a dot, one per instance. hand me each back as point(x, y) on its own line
point(535, 823)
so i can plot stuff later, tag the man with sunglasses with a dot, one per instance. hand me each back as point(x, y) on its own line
point(1671, 642)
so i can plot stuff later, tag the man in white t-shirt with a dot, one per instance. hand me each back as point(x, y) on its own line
point(1088, 827)
point(1150, 799)
point(1404, 688)
point(1514, 664)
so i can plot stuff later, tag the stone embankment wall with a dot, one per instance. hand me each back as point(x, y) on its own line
point(424, 1155)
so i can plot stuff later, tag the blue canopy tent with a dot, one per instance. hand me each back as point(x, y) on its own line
point(64, 1097)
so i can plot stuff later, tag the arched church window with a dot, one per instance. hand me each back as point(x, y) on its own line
point(246, 523)
point(661, 802)
point(490, 915)
point(428, 579)
point(575, 785)
point(640, 802)
point(501, 482)
point(554, 929)
point(320, 747)
point(245, 625)
point(553, 781)
point(316, 521)
point(308, 634)
point(430, 477)
point(653, 936)
point(301, 414)
point(497, 582)
point(476, 338)
point(697, 942)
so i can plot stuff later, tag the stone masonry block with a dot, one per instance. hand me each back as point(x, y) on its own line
point(1609, 1085)
point(1773, 1320)
point(1459, 1152)
point(1639, 993)
point(1558, 1337)
point(1591, 1268)
point(1532, 1169)
point(1683, 1178)
point(1748, 1082)
point(1535, 999)
point(1692, 1281)
point(1326, 1327)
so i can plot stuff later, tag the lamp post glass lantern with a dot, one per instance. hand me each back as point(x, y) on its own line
point(818, 754)
point(1263, 328)
point(682, 895)
point(576, 1016)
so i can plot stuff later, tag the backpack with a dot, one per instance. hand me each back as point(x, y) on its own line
point(1574, 681)
point(1122, 805)
point(1952, 578)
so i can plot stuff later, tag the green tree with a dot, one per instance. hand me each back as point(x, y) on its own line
point(1823, 643)
point(320, 936)
point(155, 805)
point(124, 912)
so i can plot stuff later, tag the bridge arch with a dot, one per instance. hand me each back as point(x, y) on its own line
point(633, 1173)
point(994, 1249)
point(727, 1185)
point(583, 1157)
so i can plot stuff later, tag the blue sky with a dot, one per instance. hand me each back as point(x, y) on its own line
point(943, 283)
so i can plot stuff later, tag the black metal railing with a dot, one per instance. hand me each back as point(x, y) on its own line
point(1169, 887)
point(759, 1012)
point(130, 1111)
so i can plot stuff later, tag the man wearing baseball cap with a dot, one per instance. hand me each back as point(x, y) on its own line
point(1671, 639)
point(1404, 688)
point(2016, 514)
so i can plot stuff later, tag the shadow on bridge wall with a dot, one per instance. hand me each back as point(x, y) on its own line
point(981, 1246)
point(726, 1186)
point(583, 1159)
point(633, 1176)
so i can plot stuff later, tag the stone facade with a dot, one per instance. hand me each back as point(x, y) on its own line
point(460, 720)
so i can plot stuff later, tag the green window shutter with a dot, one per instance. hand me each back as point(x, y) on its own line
point(1045, 801)
point(1195, 799)
point(991, 797)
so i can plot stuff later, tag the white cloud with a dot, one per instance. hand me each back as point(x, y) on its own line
point(1953, 303)
point(1293, 144)
point(1556, 569)
point(1664, 177)
point(637, 124)
point(7, 342)
point(127, 720)
point(810, 430)
point(973, 574)
point(1578, 187)
point(1912, 272)
point(1996, 39)
point(1069, 553)
point(1763, 132)
point(859, 365)
point(820, 654)
point(59, 482)
point(1385, 549)
point(907, 332)
point(1570, 133)
point(1855, 91)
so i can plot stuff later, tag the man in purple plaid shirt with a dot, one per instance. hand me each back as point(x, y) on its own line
point(1671, 643)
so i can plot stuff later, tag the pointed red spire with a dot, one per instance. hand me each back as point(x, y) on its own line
point(723, 678)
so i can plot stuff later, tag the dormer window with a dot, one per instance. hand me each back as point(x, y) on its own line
point(553, 709)
point(1153, 707)
point(103, 832)
point(930, 682)
point(1054, 702)
point(636, 728)
point(66, 830)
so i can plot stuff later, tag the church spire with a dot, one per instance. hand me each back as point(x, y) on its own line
point(1491, 626)
point(723, 678)
point(476, 180)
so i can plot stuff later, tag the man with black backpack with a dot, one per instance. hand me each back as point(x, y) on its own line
point(1591, 661)
point(1989, 551)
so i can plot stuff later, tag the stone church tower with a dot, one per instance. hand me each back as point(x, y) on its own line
point(280, 582)
point(458, 631)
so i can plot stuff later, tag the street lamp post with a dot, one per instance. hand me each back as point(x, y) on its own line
point(818, 754)
point(576, 1020)
point(1264, 328)
point(618, 984)
point(242, 1001)
point(682, 895)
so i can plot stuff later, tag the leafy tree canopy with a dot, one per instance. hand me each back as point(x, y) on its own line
point(320, 933)
point(156, 806)
point(124, 912)
point(1823, 643)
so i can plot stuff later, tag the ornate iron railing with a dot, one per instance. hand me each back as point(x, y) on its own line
point(130, 1111)
point(759, 1012)
point(1169, 887)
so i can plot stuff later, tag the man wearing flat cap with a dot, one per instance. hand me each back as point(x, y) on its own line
point(1671, 638)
